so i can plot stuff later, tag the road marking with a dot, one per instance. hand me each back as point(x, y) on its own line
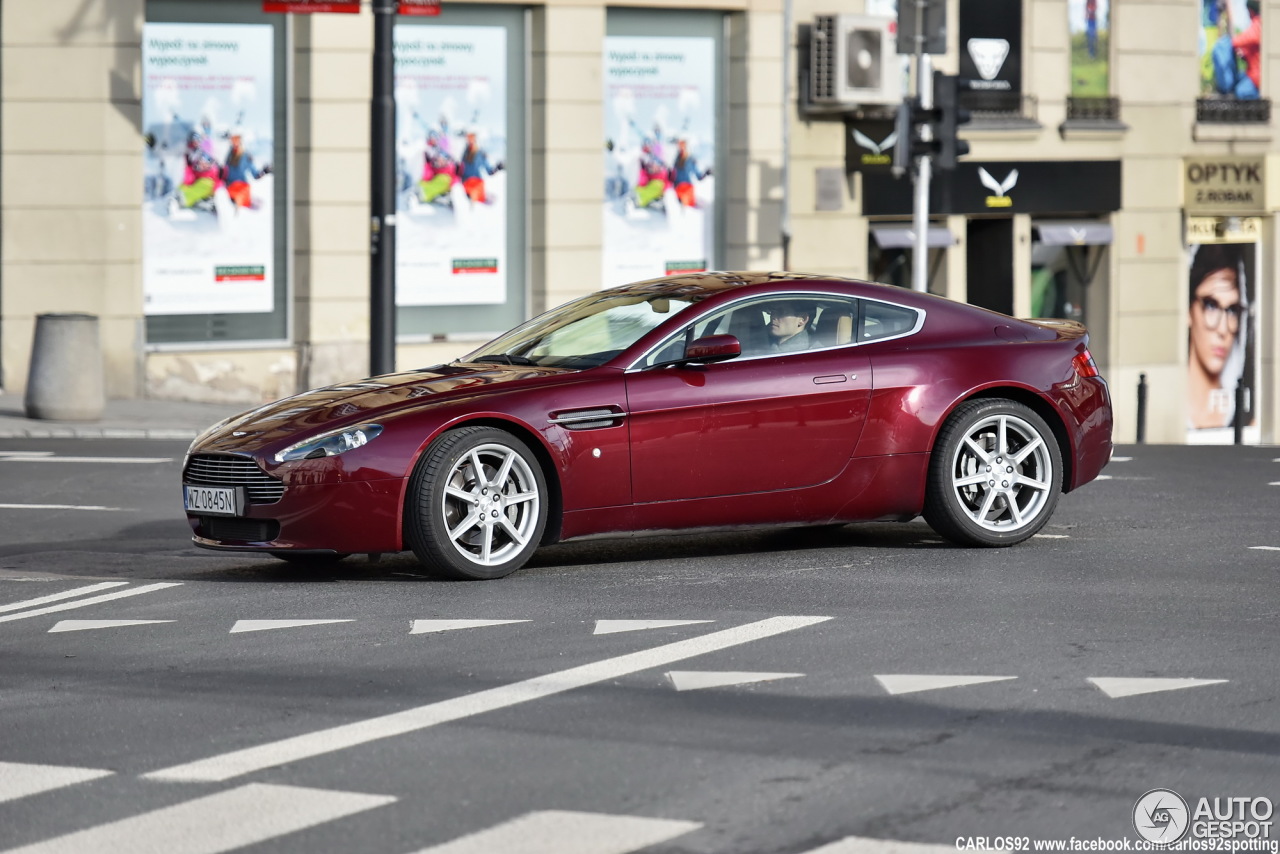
point(47, 458)
point(93, 600)
point(423, 627)
point(267, 625)
point(18, 780)
point(1116, 688)
point(1274, 483)
point(26, 453)
point(866, 845)
point(564, 832)
point(1051, 536)
point(1266, 548)
point(215, 823)
point(1103, 477)
point(58, 597)
point(693, 680)
point(909, 683)
point(88, 625)
point(59, 507)
point(239, 762)
point(609, 627)
point(1122, 459)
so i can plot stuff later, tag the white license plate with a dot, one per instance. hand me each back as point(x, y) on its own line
point(214, 500)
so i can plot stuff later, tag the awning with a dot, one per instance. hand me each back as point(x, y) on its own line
point(1060, 232)
point(902, 236)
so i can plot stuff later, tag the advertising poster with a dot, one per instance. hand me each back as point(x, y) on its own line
point(207, 219)
point(1231, 49)
point(1089, 22)
point(659, 105)
point(451, 138)
point(1222, 292)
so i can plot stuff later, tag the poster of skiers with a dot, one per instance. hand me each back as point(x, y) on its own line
point(660, 96)
point(451, 137)
point(207, 219)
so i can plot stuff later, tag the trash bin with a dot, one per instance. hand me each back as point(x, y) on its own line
point(65, 382)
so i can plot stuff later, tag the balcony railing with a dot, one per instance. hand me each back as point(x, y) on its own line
point(996, 105)
point(1093, 109)
point(1233, 111)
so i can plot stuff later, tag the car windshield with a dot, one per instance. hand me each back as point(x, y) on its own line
point(584, 333)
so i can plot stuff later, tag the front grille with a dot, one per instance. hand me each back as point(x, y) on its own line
point(227, 470)
point(239, 530)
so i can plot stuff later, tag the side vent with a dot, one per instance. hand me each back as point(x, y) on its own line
point(588, 419)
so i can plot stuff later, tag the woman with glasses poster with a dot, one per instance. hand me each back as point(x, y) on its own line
point(1218, 332)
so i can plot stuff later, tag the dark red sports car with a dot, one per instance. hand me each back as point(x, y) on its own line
point(713, 399)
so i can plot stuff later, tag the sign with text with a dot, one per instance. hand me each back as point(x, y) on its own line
point(306, 6)
point(419, 7)
point(1227, 184)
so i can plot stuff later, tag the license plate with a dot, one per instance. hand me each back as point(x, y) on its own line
point(214, 500)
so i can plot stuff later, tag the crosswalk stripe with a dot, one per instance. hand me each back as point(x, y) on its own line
point(248, 760)
point(210, 825)
point(93, 600)
point(565, 832)
point(58, 597)
point(867, 845)
point(19, 780)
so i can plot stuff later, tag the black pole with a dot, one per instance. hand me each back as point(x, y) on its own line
point(1142, 408)
point(382, 196)
point(1241, 416)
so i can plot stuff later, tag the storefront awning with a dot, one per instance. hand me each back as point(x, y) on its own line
point(1073, 233)
point(904, 236)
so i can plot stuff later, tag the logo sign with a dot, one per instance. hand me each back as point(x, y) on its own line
point(988, 56)
point(1161, 816)
point(1224, 185)
point(869, 145)
point(1000, 189)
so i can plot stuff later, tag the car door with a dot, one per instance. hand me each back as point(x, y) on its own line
point(762, 422)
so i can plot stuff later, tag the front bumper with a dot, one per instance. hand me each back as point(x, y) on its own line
point(350, 517)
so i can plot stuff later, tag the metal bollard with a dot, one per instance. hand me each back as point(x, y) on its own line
point(1241, 416)
point(65, 380)
point(1142, 408)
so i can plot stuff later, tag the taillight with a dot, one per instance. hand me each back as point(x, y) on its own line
point(1084, 364)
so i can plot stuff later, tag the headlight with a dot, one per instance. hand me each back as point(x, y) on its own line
point(330, 444)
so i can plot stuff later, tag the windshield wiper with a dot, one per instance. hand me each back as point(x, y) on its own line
point(506, 359)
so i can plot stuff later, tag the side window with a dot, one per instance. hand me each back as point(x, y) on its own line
point(882, 320)
point(776, 324)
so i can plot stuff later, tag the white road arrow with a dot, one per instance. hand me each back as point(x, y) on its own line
point(86, 625)
point(423, 627)
point(692, 680)
point(608, 627)
point(909, 683)
point(266, 625)
point(1115, 688)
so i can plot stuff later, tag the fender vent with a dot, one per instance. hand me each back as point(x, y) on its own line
point(588, 419)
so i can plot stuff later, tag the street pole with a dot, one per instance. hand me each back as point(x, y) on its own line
point(924, 167)
point(382, 196)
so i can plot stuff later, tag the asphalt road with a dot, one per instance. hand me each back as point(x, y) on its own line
point(146, 698)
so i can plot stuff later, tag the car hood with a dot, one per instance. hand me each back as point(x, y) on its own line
point(366, 400)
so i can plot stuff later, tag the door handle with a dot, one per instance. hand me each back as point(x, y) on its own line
point(832, 378)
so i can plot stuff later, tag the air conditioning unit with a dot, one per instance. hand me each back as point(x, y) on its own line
point(853, 61)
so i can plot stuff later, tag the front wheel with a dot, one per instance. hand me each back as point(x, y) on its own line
point(477, 504)
point(995, 474)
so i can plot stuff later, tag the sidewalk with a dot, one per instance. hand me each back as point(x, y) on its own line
point(121, 419)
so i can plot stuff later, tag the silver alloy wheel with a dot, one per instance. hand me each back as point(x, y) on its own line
point(490, 504)
point(1002, 473)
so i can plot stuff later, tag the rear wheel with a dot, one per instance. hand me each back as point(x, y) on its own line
point(995, 474)
point(477, 504)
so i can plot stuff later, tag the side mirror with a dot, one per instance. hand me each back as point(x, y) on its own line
point(713, 348)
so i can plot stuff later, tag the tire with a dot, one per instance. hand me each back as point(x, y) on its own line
point(995, 474)
point(476, 506)
point(310, 559)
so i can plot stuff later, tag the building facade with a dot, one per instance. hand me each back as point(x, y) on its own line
point(196, 174)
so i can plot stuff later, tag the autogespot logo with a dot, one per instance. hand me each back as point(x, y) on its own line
point(1161, 816)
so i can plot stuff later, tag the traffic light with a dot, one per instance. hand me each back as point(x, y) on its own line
point(908, 123)
point(950, 115)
